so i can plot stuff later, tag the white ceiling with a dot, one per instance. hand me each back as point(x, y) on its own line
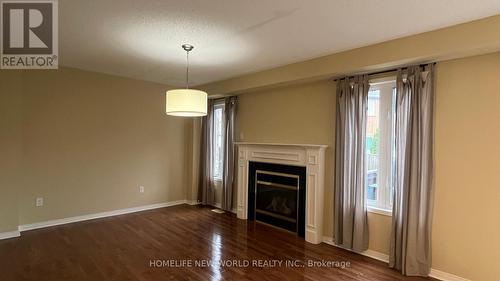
point(141, 38)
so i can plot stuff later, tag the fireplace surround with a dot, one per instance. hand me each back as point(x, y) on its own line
point(308, 156)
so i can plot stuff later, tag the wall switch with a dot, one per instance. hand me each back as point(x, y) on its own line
point(141, 189)
point(39, 201)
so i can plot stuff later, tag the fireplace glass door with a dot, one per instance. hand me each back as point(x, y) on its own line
point(277, 199)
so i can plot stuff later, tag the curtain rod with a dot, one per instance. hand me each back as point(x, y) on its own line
point(383, 71)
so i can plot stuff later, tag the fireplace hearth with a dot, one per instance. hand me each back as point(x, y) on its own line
point(278, 195)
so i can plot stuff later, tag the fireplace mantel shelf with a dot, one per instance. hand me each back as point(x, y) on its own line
point(283, 144)
point(311, 156)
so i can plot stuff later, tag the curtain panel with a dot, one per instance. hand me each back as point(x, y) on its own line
point(410, 250)
point(206, 188)
point(350, 211)
point(228, 166)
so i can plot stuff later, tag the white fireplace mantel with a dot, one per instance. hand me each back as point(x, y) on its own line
point(311, 156)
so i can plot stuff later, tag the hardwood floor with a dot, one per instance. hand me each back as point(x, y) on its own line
point(125, 247)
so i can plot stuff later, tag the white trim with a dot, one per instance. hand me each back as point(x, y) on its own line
point(437, 274)
point(283, 144)
point(376, 255)
point(192, 202)
point(10, 234)
point(445, 276)
point(379, 211)
point(26, 227)
point(369, 253)
point(196, 202)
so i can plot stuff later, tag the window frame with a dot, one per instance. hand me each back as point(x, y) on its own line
point(383, 194)
point(218, 105)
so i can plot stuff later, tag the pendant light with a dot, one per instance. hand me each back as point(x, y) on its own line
point(186, 102)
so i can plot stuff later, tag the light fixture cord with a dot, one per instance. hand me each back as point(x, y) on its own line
point(187, 70)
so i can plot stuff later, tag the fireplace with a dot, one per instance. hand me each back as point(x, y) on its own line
point(277, 196)
point(288, 160)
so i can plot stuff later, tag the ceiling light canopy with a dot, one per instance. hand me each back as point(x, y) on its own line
point(186, 102)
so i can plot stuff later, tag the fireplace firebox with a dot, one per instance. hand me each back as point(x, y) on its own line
point(276, 195)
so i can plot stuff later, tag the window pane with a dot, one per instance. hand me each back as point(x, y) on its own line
point(379, 148)
point(372, 192)
point(393, 147)
point(372, 146)
point(218, 143)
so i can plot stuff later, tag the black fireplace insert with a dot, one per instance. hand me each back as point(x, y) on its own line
point(276, 195)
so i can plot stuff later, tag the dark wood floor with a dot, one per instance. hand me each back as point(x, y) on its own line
point(122, 248)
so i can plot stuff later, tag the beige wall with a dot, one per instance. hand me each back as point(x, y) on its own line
point(89, 140)
point(467, 199)
point(194, 136)
point(379, 227)
point(10, 148)
point(467, 158)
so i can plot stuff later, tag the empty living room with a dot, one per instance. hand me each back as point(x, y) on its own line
point(353, 140)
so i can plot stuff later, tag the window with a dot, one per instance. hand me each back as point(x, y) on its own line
point(218, 143)
point(380, 145)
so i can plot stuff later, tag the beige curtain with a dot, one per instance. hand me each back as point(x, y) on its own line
point(206, 192)
point(410, 250)
point(228, 172)
point(350, 217)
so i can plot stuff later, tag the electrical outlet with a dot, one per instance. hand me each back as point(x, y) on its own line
point(141, 189)
point(39, 201)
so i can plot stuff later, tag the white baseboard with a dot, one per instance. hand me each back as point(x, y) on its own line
point(437, 274)
point(26, 227)
point(376, 255)
point(369, 253)
point(445, 276)
point(192, 202)
point(218, 205)
point(10, 234)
